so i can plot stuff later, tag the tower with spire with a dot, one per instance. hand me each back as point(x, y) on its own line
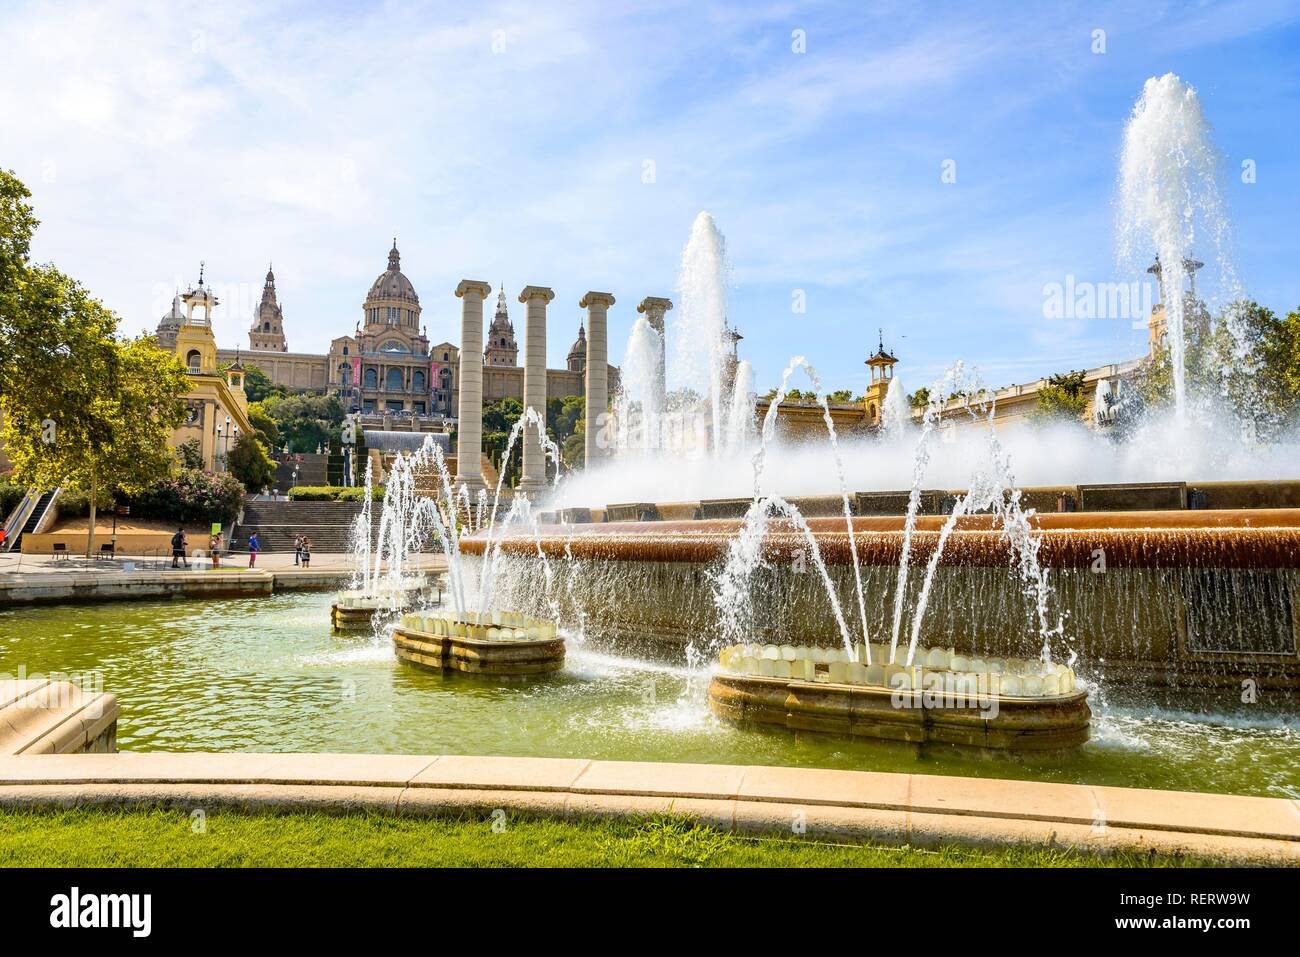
point(577, 359)
point(267, 331)
point(501, 349)
point(881, 366)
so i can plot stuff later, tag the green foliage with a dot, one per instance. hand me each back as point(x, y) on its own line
point(1247, 364)
point(498, 419)
point(306, 422)
point(192, 496)
point(190, 454)
point(249, 463)
point(83, 408)
point(1063, 399)
point(267, 429)
point(333, 493)
point(920, 398)
point(842, 395)
point(258, 385)
point(162, 837)
point(11, 493)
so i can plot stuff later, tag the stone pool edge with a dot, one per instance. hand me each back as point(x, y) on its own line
point(922, 810)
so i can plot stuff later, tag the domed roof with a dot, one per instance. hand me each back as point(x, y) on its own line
point(579, 349)
point(176, 317)
point(392, 283)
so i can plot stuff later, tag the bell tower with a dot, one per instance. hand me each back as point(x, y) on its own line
point(502, 350)
point(882, 375)
point(267, 331)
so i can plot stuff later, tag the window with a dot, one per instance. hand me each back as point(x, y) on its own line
point(371, 379)
point(446, 357)
point(395, 381)
point(193, 361)
point(417, 381)
point(266, 327)
point(345, 350)
point(417, 408)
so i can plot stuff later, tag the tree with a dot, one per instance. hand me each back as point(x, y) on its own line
point(1246, 364)
point(920, 398)
point(82, 408)
point(1064, 398)
point(249, 463)
point(268, 432)
point(190, 454)
point(841, 395)
point(306, 422)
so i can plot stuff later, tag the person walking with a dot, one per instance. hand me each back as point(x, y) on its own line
point(297, 548)
point(306, 551)
point(253, 549)
point(178, 547)
point(214, 548)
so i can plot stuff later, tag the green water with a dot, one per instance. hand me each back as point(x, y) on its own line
point(266, 674)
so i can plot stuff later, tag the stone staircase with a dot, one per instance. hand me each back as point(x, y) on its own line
point(277, 524)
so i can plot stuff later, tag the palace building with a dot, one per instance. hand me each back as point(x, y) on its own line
point(388, 366)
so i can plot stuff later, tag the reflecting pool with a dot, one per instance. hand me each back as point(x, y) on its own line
point(267, 674)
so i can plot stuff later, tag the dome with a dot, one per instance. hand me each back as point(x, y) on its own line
point(176, 317)
point(392, 283)
point(579, 349)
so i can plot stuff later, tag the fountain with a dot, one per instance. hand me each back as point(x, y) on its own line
point(1169, 200)
point(476, 635)
point(382, 584)
point(488, 644)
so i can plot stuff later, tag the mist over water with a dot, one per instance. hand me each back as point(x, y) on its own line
point(1064, 454)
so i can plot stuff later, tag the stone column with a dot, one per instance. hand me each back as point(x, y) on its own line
point(469, 429)
point(653, 308)
point(596, 385)
point(535, 299)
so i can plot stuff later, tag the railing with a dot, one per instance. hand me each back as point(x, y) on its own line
point(18, 518)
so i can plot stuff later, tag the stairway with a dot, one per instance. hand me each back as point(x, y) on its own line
point(313, 470)
point(277, 524)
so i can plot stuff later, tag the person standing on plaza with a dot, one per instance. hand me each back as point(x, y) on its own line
point(306, 551)
point(253, 549)
point(178, 547)
point(297, 548)
point(214, 548)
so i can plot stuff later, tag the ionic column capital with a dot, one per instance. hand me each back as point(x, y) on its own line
point(596, 299)
point(543, 293)
point(472, 286)
point(654, 306)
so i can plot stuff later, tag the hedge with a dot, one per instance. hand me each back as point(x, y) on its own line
point(332, 493)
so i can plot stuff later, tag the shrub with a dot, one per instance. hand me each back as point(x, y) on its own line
point(332, 493)
point(10, 495)
point(192, 496)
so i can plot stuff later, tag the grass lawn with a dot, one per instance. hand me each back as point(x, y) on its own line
point(88, 837)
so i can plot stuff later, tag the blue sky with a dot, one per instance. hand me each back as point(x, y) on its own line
point(509, 141)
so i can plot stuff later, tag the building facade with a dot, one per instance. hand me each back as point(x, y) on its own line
point(388, 366)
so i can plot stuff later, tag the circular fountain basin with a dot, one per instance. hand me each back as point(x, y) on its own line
point(995, 705)
point(354, 609)
point(491, 644)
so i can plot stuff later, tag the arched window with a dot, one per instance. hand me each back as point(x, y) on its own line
point(417, 381)
point(345, 375)
point(371, 379)
point(394, 382)
point(193, 361)
point(345, 350)
point(266, 327)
